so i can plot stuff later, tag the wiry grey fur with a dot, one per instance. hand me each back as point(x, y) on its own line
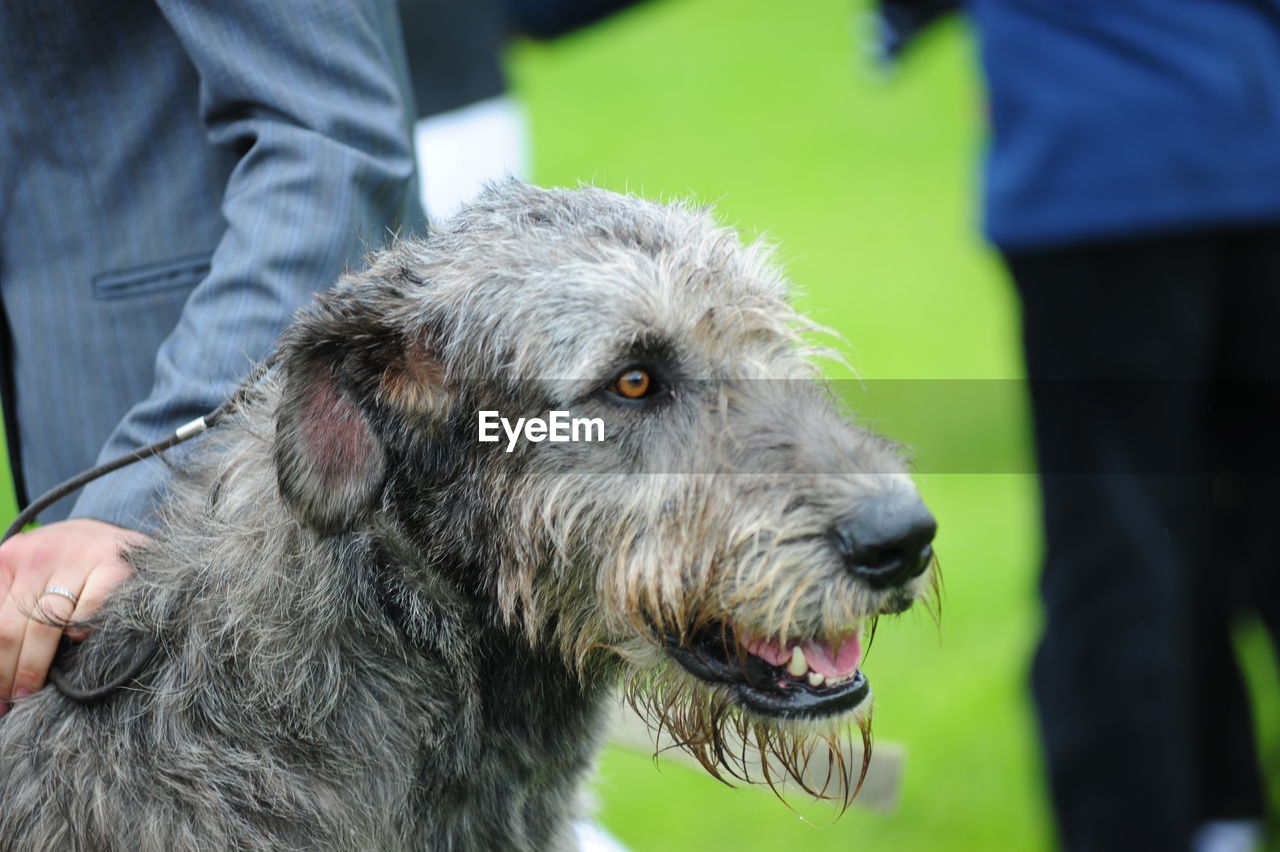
point(378, 633)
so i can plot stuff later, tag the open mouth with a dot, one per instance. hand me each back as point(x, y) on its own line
point(799, 679)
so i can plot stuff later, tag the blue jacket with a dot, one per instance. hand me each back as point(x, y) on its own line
point(1116, 117)
point(177, 177)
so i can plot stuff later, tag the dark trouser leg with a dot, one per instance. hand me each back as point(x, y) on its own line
point(1245, 563)
point(1248, 430)
point(1120, 342)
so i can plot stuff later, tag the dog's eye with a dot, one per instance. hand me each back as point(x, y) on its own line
point(635, 383)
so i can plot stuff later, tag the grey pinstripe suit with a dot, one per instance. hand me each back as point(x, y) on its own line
point(176, 177)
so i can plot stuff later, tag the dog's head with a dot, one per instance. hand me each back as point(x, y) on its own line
point(600, 415)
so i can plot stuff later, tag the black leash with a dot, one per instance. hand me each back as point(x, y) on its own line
point(185, 432)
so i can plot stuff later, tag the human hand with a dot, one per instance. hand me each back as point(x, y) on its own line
point(81, 556)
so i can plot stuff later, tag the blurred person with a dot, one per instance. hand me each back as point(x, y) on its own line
point(470, 128)
point(178, 178)
point(897, 24)
point(1133, 189)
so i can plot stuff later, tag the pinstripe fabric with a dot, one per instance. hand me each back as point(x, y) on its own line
point(176, 178)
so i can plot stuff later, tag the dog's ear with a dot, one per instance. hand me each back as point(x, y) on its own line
point(330, 464)
point(351, 381)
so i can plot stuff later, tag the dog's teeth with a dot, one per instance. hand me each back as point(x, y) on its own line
point(831, 681)
point(798, 665)
point(816, 678)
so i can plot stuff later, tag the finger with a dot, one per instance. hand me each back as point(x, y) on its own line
point(44, 631)
point(102, 582)
point(13, 629)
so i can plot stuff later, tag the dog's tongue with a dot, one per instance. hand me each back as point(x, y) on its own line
point(833, 662)
point(821, 656)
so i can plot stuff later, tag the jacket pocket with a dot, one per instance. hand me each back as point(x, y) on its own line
point(152, 278)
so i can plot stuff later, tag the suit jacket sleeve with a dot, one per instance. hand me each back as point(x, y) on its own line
point(313, 95)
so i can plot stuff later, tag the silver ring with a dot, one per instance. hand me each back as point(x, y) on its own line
point(66, 593)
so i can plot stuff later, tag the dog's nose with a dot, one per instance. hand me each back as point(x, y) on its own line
point(887, 543)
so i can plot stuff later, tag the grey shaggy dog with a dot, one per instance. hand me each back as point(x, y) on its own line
point(376, 631)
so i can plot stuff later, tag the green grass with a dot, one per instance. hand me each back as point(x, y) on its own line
point(8, 501)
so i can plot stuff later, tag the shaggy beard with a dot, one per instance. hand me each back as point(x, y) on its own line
point(733, 744)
